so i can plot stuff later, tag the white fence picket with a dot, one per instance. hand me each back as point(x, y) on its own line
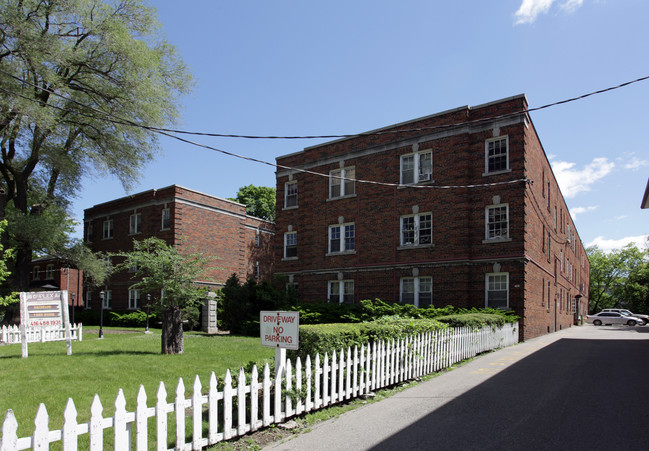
point(344, 375)
point(11, 334)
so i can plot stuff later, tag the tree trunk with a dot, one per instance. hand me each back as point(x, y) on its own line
point(172, 331)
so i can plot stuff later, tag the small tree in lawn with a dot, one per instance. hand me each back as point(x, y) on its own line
point(168, 276)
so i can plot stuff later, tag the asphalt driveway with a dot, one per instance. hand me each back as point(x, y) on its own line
point(580, 388)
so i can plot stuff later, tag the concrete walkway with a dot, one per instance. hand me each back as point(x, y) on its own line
point(497, 401)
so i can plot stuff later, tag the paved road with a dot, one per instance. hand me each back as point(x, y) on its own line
point(581, 388)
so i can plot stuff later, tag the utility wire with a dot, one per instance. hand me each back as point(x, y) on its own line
point(171, 134)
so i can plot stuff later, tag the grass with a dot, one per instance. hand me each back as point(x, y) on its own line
point(120, 360)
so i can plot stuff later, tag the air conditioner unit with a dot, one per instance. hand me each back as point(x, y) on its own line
point(425, 177)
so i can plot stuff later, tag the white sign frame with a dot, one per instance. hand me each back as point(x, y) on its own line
point(35, 306)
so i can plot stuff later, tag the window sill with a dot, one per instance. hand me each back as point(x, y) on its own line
point(408, 185)
point(288, 259)
point(415, 246)
point(294, 207)
point(134, 233)
point(107, 238)
point(347, 196)
point(504, 171)
point(496, 240)
point(331, 254)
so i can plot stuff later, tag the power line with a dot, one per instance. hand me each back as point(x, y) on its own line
point(334, 136)
point(171, 134)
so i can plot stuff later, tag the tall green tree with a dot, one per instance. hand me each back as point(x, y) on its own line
point(259, 201)
point(169, 277)
point(619, 279)
point(75, 76)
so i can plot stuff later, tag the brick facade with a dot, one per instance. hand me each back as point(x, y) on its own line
point(53, 273)
point(490, 215)
point(234, 242)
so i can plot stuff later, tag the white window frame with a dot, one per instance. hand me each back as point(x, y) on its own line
point(165, 219)
point(108, 297)
point(337, 179)
point(290, 194)
point(36, 273)
point(88, 300)
point(418, 237)
point(134, 299)
point(288, 236)
point(490, 234)
point(490, 158)
point(346, 238)
point(108, 229)
point(135, 224)
point(49, 272)
point(338, 289)
point(419, 175)
point(488, 287)
point(417, 284)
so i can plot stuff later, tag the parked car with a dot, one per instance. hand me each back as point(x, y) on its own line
point(625, 312)
point(612, 318)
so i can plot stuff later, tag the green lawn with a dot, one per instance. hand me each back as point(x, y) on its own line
point(123, 361)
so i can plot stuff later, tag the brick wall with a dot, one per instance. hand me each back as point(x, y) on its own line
point(218, 228)
point(459, 257)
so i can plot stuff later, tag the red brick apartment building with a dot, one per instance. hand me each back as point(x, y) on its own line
point(192, 221)
point(457, 208)
point(53, 273)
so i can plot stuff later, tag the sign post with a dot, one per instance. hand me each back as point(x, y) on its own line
point(44, 309)
point(280, 330)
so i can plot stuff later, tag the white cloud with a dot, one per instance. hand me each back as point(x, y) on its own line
point(608, 245)
point(571, 6)
point(579, 210)
point(531, 9)
point(635, 163)
point(572, 181)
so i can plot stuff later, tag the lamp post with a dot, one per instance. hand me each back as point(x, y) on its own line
point(102, 294)
point(148, 307)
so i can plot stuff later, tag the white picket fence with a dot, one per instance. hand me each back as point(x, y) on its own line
point(248, 404)
point(11, 334)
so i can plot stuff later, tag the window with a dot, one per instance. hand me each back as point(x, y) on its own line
point(417, 167)
point(417, 291)
point(497, 155)
point(166, 219)
point(88, 232)
point(36, 273)
point(290, 245)
point(133, 299)
point(257, 271)
point(88, 298)
point(417, 229)
point(49, 272)
point(497, 222)
point(548, 294)
point(290, 194)
point(497, 290)
point(341, 182)
point(108, 295)
point(342, 238)
point(135, 224)
point(108, 229)
point(257, 238)
point(341, 291)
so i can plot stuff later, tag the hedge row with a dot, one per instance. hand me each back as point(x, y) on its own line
point(321, 338)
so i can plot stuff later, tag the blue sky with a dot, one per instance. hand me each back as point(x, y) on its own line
point(339, 67)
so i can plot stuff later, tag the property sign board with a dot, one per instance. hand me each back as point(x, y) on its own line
point(43, 309)
point(280, 329)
